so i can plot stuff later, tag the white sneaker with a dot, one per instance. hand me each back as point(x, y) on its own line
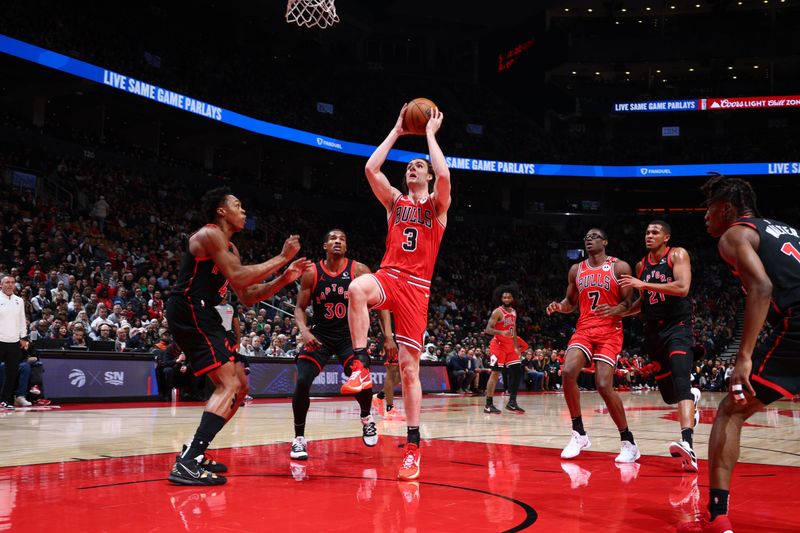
point(696, 394)
point(299, 450)
point(628, 453)
point(369, 432)
point(20, 401)
point(577, 443)
point(686, 454)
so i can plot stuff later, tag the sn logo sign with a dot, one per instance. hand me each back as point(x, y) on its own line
point(115, 378)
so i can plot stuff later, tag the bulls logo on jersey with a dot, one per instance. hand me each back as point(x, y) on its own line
point(597, 285)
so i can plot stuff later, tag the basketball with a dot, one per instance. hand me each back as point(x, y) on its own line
point(417, 115)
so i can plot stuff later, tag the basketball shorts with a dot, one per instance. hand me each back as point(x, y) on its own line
point(666, 340)
point(199, 333)
point(329, 346)
point(407, 298)
point(776, 361)
point(503, 353)
point(598, 344)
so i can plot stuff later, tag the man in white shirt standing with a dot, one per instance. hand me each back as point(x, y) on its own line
point(13, 338)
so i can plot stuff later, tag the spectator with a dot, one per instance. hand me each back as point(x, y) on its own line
point(256, 348)
point(121, 341)
point(99, 212)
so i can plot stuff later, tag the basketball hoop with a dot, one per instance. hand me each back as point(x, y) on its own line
point(310, 13)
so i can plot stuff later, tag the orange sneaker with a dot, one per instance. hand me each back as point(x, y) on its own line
point(410, 469)
point(359, 380)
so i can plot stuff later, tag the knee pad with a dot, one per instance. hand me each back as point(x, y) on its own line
point(306, 373)
point(678, 386)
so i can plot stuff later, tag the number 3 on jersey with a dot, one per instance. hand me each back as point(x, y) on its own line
point(411, 239)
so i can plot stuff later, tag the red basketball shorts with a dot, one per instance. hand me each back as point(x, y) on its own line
point(407, 298)
point(598, 344)
point(503, 352)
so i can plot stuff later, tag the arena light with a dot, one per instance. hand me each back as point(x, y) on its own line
point(129, 85)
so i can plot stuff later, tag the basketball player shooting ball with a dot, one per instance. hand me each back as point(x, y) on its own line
point(417, 220)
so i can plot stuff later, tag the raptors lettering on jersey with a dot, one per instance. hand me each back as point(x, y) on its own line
point(597, 285)
point(413, 238)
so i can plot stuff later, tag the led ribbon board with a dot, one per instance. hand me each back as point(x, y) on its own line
point(185, 103)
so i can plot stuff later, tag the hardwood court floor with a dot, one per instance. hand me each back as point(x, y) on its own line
point(102, 468)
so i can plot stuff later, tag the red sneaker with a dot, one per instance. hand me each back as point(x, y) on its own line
point(409, 471)
point(721, 524)
point(35, 390)
point(42, 402)
point(359, 380)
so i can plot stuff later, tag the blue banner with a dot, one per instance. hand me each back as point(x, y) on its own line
point(657, 106)
point(152, 92)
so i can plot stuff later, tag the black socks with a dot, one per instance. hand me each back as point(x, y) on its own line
point(210, 425)
point(687, 434)
point(413, 435)
point(718, 502)
point(577, 425)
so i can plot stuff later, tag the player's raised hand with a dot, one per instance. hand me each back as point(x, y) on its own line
point(435, 122)
point(554, 307)
point(398, 127)
point(296, 269)
point(291, 246)
point(626, 280)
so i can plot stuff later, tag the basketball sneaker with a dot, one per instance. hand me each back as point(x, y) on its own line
point(5, 406)
point(299, 449)
point(628, 453)
point(191, 472)
point(578, 477)
point(409, 471)
point(379, 405)
point(696, 394)
point(207, 462)
point(20, 401)
point(512, 406)
point(721, 524)
point(491, 409)
point(359, 380)
point(43, 402)
point(577, 443)
point(368, 432)
point(686, 454)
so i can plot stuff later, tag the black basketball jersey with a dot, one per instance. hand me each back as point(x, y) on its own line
point(659, 306)
point(200, 280)
point(779, 251)
point(329, 300)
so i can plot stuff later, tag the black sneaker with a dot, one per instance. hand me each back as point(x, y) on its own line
point(369, 432)
point(207, 463)
point(299, 449)
point(190, 472)
point(5, 406)
point(512, 406)
point(491, 409)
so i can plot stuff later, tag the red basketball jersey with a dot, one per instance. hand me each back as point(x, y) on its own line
point(507, 323)
point(597, 285)
point(412, 242)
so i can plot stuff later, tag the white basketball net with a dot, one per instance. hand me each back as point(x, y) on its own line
point(310, 13)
